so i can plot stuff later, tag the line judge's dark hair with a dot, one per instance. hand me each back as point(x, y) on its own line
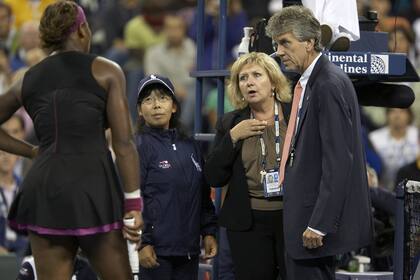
point(174, 122)
point(55, 24)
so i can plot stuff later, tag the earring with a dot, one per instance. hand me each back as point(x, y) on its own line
point(243, 98)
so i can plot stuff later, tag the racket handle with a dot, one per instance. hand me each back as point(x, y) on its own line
point(133, 255)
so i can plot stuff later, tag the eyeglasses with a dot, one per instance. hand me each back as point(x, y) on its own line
point(163, 98)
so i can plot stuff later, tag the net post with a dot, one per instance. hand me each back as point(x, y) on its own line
point(399, 232)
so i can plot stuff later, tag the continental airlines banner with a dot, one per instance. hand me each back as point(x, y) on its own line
point(360, 63)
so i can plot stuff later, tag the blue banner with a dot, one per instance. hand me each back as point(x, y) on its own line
point(366, 63)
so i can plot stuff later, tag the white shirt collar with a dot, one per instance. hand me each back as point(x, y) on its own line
point(307, 73)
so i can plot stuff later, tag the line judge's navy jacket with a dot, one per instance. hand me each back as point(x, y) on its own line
point(177, 205)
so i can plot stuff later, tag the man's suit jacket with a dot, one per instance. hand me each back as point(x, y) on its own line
point(326, 187)
point(224, 167)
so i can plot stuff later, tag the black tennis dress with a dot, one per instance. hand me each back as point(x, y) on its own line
point(72, 187)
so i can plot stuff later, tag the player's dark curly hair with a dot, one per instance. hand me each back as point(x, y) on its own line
point(55, 24)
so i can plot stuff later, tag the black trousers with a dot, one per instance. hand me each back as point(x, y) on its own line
point(258, 253)
point(314, 269)
point(172, 268)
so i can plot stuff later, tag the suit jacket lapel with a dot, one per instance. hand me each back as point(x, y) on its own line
point(308, 91)
point(302, 112)
point(317, 69)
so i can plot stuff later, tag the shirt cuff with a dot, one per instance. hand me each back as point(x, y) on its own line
point(317, 231)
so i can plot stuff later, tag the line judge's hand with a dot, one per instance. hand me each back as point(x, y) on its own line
point(311, 240)
point(247, 128)
point(147, 257)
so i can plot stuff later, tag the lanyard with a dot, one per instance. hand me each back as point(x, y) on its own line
point(276, 140)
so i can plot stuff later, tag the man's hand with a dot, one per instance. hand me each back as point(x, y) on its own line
point(210, 247)
point(311, 240)
point(147, 257)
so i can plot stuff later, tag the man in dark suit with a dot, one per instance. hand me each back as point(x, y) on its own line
point(326, 197)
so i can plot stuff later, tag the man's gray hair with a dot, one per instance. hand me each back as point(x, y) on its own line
point(298, 20)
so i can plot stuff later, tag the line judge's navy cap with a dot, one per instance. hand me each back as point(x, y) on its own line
point(155, 79)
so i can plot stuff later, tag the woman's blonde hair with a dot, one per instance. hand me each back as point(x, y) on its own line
point(270, 66)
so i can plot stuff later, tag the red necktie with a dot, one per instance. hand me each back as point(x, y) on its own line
point(290, 130)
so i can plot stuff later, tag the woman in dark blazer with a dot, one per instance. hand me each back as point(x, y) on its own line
point(246, 157)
